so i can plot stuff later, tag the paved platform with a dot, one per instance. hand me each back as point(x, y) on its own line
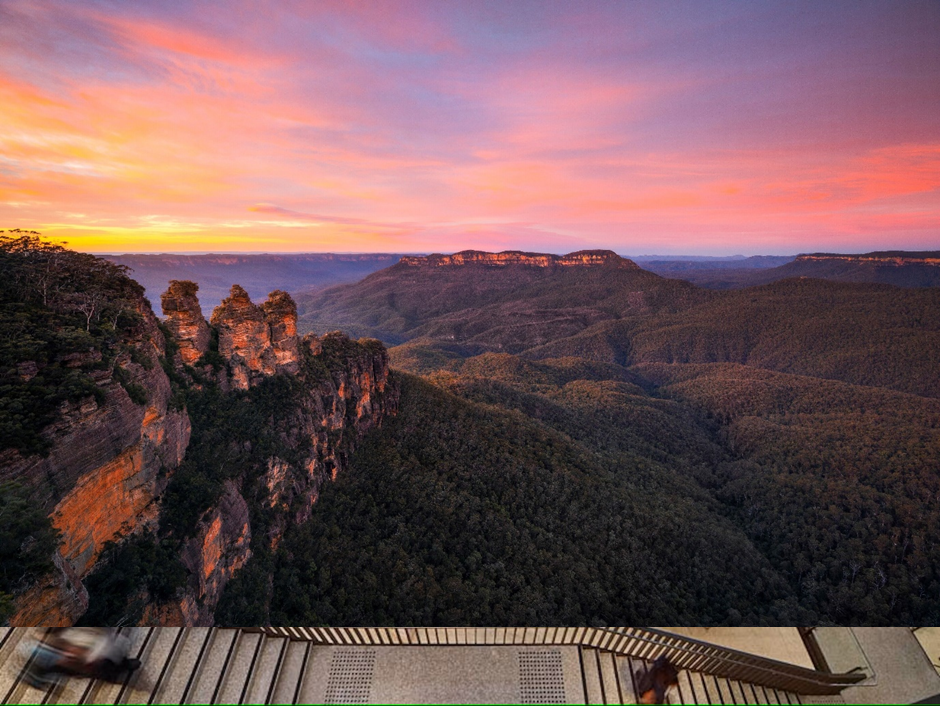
point(413, 665)
point(447, 675)
point(903, 673)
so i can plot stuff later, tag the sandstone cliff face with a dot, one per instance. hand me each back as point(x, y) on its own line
point(244, 339)
point(221, 547)
point(185, 320)
point(344, 391)
point(102, 475)
point(57, 600)
point(111, 457)
point(280, 313)
point(357, 397)
point(582, 258)
point(257, 341)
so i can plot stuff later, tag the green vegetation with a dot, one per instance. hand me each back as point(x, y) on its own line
point(874, 335)
point(27, 543)
point(831, 482)
point(867, 334)
point(62, 315)
point(650, 452)
point(462, 513)
point(129, 575)
point(509, 309)
point(233, 436)
point(838, 487)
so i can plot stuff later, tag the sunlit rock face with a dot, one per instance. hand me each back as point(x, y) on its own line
point(351, 393)
point(244, 339)
point(328, 419)
point(219, 549)
point(280, 313)
point(185, 320)
point(582, 258)
point(104, 473)
point(57, 600)
point(112, 458)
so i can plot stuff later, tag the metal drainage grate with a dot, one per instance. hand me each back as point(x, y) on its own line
point(541, 677)
point(350, 679)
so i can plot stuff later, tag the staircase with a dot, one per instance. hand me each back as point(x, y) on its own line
point(348, 665)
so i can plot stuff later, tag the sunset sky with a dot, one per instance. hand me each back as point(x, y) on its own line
point(644, 127)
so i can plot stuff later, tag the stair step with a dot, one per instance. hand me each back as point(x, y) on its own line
point(712, 689)
point(238, 669)
point(155, 657)
point(742, 693)
point(25, 694)
point(265, 670)
point(291, 671)
point(179, 666)
point(11, 658)
point(17, 656)
point(206, 680)
point(102, 692)
point(690, 688)
point(755, 694)
point(624, 679)
point(591, 676)
point(610, 680)
point(723, 689)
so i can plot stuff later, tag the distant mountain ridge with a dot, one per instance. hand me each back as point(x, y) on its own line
point(898, 267)
point(889, 258)
point(503, 301)
point(582, 258)
point(861, 333)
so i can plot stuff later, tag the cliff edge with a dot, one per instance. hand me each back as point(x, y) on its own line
point(190, 442)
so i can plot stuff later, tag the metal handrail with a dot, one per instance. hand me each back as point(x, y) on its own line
point(642, 643)
point(698, 656)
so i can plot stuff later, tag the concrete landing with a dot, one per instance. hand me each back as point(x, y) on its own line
point(902, 670)
point(446, 675)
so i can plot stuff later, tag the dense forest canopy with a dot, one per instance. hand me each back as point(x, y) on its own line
point(522, 491)
point(62, 314)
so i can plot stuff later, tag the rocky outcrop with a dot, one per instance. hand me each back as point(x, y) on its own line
point(112, 454)
point(105, 469)
point(356, 398)
point(280, 313)
point(185, 320)
point(345, 390)
point(219, 549)
point(57, 600)
point(257, 341)
point(244, 339)
point(582, 258)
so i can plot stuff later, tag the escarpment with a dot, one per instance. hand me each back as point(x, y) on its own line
point(106, 464)
point(187, 444)
point(581, 258)
point(310, 399)
point(885, 259)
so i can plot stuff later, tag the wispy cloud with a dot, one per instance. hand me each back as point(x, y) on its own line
point(438, 126)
